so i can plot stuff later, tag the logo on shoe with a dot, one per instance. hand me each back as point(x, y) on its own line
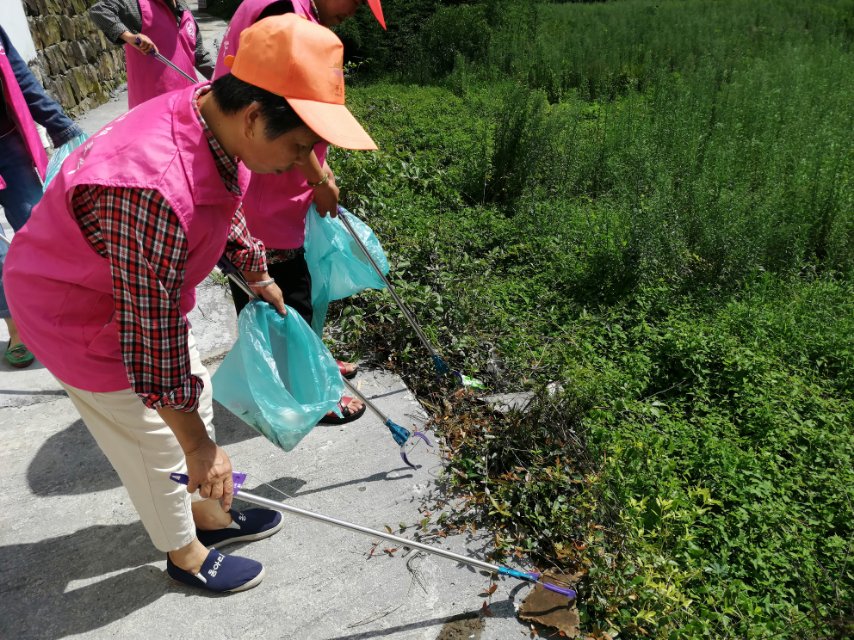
point(241, 517)
point(213, 570)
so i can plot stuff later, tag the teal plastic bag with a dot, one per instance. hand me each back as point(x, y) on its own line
point(337, 264)
point(60, 155)
point(279, 377)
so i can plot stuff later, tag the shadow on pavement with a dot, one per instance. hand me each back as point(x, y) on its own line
point(290, 487)
point(71, 463)
point(453, 628)
point(5, 366)
point(37, 590)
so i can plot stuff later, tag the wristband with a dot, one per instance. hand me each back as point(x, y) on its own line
point(261, 283)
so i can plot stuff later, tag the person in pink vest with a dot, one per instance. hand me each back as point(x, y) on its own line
point(147, 26)
point(276, 205)
point(104, 274)
point(23, 161)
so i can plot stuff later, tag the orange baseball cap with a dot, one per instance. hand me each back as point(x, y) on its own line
point(304, 63)
point(377, 10)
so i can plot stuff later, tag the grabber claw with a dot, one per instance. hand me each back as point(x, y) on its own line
point(440, 365)
point(402, 436)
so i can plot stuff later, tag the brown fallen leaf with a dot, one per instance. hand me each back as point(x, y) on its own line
point(489, 591)
point(552, 609)
point(485, 611)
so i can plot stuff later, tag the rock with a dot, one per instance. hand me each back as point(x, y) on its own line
point(507, 402)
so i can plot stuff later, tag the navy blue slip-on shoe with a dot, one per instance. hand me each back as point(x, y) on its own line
point(252, 524)
point(220, 573)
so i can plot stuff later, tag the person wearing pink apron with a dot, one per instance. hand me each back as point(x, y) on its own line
point(104, 274)
point(148, 26)
point(276, 205)
point(23, 162)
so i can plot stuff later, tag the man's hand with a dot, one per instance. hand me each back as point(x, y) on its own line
point(209, 471)
point(140, 42)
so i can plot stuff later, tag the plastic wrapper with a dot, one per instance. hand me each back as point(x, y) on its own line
point(279, 377)
point(337, 264)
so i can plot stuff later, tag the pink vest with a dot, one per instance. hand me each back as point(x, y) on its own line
point(60, 290)
point(275, 205)
point(148, 77)
point(20, 113)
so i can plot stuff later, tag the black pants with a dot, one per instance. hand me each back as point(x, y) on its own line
point(293, 279)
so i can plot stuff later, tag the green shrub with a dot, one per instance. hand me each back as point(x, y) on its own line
point(650, 203)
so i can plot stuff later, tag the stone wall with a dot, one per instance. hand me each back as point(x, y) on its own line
point(75, 62)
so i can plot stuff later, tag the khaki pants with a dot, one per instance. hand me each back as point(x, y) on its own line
point(144, 451)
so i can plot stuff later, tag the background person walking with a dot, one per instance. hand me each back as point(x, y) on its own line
point(23, 161)
point(276, 205)
point(146, 26)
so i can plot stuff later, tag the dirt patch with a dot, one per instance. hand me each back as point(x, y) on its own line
point(468, 626)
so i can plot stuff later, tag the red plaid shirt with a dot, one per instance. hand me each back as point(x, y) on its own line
point(139, 233)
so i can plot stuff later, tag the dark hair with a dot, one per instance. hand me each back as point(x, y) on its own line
point(279, 8)
point(232, 95)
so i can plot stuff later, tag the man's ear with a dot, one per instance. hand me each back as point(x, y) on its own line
point(252, 122)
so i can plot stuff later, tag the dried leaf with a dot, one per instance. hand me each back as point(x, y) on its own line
point(390, 550)
point(550, 609)
point(486, 611)
point(489, 591)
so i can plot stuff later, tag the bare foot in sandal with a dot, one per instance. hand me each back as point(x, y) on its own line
point(351, 409)
point(347, 370)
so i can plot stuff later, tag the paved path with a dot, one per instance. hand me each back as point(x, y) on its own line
point(75, 561)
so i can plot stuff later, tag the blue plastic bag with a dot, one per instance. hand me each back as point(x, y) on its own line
point(337, 264)
point(279, 377)
point(60, 155)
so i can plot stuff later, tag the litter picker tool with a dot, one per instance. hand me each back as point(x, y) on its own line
point(532, 577)
point(161, 58)
point(439, 363)
point(402, 436)
point(174, 67)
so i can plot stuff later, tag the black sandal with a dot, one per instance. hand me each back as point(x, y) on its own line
point(348, 415)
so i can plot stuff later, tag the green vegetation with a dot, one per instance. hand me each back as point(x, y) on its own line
point(650, 203)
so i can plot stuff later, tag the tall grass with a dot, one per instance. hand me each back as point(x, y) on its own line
point(719, 132)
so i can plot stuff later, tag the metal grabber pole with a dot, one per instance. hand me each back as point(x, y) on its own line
point(247, 496)
point(440, 365)
point(161, 58)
